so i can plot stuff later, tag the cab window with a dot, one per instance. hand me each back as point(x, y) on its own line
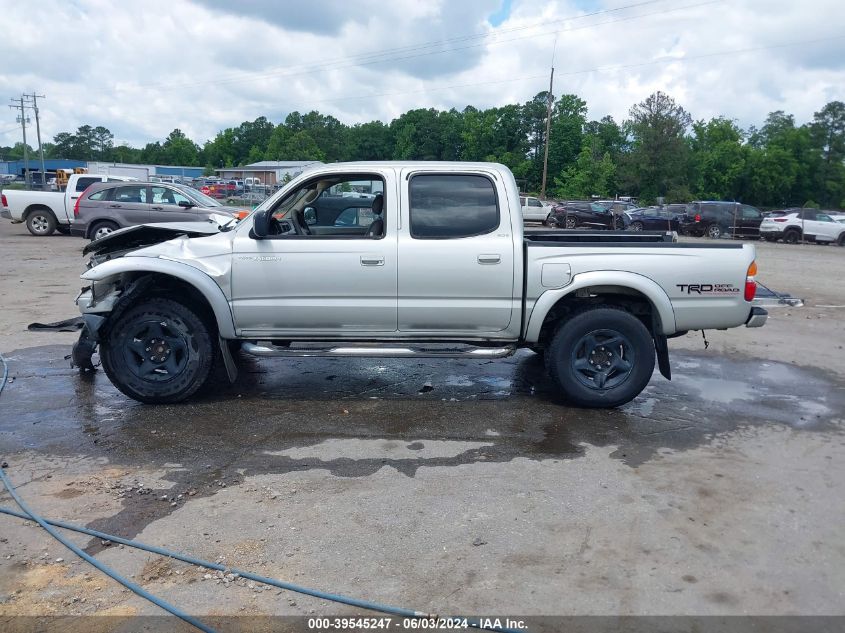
point(166, 195)
point(130, 194)
point(444, 206)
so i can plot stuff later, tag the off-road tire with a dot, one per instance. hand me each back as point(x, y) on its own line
point(41, 222)
point(635, 347)
point(179, 322)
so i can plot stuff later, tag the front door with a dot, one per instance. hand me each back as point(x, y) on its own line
point(165, 205)
point(298, 281)
point(456, 255)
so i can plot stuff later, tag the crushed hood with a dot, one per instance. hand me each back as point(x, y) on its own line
point(134, 237)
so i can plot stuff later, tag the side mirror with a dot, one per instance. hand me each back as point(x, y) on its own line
point(185, 204)
point(310, 215)
point(260, 225)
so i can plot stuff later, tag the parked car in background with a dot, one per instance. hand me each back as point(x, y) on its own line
point(664, 218)
point(617, 206)
point(717, 219)
point(107, 207)
point(576, 213)
point(804, 224)
point(534, 210)
point(46, 211)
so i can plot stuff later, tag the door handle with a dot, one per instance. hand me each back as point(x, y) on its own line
point(158, 208)
point(115, 206)
point(489, 259)
point(371, 260)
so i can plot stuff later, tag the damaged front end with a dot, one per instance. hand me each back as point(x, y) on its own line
point(104, 299)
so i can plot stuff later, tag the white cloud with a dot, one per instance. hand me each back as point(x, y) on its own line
point(142, 69)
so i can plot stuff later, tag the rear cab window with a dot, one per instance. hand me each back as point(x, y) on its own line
point(83, 183)
point(450, 206)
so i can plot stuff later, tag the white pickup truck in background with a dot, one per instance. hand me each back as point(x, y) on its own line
point(534, 209)
point(46, 211)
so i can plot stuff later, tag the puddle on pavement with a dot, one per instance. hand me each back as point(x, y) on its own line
point(353, 417)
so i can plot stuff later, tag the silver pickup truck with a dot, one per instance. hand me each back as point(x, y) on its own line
point(396, 259)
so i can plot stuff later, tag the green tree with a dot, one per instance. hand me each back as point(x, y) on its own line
point(592, 174)
point(828, 134)
point(369, 141)
point(718, 160)
point(657, 164)
point(178, 149)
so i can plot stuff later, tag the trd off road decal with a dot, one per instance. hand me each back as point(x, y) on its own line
point(709, 289)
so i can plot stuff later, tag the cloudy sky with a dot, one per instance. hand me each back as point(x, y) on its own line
point(144, 68)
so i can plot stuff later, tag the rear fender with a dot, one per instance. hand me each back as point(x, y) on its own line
point(650, 289)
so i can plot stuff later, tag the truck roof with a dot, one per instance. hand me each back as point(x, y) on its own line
point(399, 164)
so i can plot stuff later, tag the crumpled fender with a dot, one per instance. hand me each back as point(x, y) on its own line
point(196, 278)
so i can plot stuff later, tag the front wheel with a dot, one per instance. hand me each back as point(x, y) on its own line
point(602, 357)
point(158, 352)
point(41, 223)
point(550, 221)
point(571, 223)
point(636, 226)
point(841, 240)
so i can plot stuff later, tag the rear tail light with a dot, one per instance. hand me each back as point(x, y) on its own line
point(698, 217)
point(76, 207)
point(780, 220)
point(750, 284)
point(3, 201)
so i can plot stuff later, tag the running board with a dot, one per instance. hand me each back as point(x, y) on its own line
point(375, 350)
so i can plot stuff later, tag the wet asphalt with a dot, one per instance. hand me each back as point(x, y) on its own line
point(353, 417)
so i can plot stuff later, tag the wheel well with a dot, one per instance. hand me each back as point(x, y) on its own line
point(137, 287)
point(89, 230)
point(37, 207)
point(627, 299)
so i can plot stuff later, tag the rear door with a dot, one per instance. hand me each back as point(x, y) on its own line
point(128, 205)
point(456, 255)
point(823, 227)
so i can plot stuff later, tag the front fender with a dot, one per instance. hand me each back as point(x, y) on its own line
point(651, 289)
point(196, 278)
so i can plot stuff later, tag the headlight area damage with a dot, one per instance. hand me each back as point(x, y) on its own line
point(108, 298)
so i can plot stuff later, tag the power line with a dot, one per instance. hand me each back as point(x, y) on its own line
point(663, 60)
point(367, 58)
point(330, 66)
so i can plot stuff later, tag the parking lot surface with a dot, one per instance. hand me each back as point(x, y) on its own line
point(443, 486)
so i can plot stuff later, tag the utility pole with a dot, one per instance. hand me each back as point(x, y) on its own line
point(35, 98)
point(550, 100)
point(23, 120)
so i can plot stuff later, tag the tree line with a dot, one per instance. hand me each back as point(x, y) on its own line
point(657, 151)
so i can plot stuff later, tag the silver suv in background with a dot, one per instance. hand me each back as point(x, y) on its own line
point(106, 207)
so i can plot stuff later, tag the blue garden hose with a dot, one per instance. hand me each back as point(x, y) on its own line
point(103, 568)
point(50, 526)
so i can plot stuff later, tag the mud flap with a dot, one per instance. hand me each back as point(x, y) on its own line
point(662, 348)
point(228, 360)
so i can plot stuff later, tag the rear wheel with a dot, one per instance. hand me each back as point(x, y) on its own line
point(841, 240)
point(158, 352)
point(602, 357)
point(714, 231)
point(792, 237)
point(41, 222)
point(636, 226)
point(103, 228)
